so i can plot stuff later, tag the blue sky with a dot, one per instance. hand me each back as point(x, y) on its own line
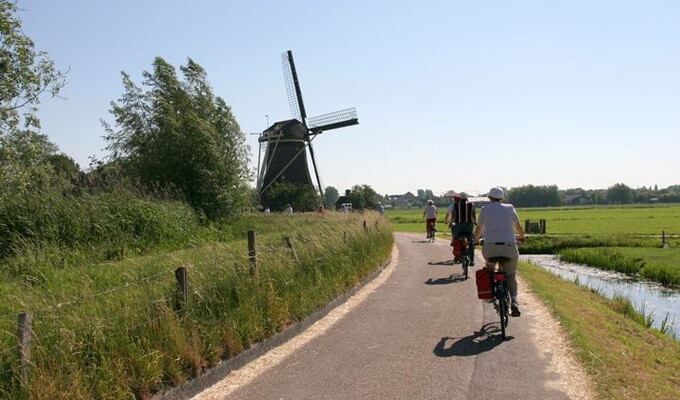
point(460, 95)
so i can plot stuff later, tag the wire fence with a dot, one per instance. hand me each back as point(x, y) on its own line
point(53, 324)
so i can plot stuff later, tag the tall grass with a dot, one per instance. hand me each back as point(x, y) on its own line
point(113, 329)
point(66, 231)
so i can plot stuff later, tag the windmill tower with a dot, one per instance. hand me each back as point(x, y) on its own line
point(287, 141)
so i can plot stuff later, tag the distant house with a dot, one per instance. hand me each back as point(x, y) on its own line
point(402, 200)
point(344, 202)
point(575, 200)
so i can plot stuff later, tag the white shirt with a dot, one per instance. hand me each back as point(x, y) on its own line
point(497, 222)
point(430, 211)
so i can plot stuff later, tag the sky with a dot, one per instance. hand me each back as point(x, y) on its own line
point(451, 95)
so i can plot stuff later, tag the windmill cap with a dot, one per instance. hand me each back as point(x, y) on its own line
point(496, 193)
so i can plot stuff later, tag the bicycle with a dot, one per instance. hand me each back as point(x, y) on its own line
point(466, 257)
point(431, 231)
point(501, 294)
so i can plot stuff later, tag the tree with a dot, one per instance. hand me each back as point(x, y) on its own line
point(363, 197)
point(283, 193)
point(178, 134)
point(534, 196)
point(25, 162)
point(331, 195)
point(619, 193)
point(24, 74)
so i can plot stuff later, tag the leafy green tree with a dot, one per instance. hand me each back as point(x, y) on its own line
point(363, 197)
point(25, 162)
point(620, 194)
point(25, 74)
point(331, 195)
point(178, 134)
point(283, 193)
point(535, 196)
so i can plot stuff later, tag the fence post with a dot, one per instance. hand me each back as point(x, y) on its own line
point(365, 226)
point(526, 225)
point(24, 333)
point(289, 243)
point(182, 287)
point(252, 251)
point(663, 239)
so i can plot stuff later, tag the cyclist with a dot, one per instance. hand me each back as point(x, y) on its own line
point(463, 220)
point(430, 215)
point(498, 222)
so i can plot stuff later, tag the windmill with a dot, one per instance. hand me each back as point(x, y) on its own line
point(287, 141)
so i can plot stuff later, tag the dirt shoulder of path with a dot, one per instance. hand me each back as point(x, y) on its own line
point(554, 343)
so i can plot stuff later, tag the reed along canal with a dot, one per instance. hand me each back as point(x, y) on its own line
point(649, 298)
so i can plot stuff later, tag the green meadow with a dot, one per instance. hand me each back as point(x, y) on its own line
point(596, 220)
point(623, 238)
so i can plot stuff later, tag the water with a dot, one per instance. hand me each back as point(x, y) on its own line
point(649, 298)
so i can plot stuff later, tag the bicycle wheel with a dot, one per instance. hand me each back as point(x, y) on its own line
point(466, 264)
point(503, 312)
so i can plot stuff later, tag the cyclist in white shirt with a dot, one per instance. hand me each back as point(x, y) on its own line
point(430, 215)
point(498, 222)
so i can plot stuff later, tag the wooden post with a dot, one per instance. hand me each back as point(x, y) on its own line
point(25, 333)
point(252, 251)
point(182, 288)
point(289, 243)
point(365, 226)
point(663, 239)
point(526, 225)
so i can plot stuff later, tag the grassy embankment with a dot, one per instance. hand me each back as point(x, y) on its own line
point(623, 356)
point(625, 359)
point(105, 308)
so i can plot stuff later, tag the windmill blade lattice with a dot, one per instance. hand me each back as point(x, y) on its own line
point(297, 107)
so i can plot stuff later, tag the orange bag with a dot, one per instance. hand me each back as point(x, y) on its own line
point(483, 277)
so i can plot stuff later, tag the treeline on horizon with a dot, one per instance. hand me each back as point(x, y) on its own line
point(552, 196)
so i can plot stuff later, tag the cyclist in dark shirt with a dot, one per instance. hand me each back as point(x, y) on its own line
point(463, 220)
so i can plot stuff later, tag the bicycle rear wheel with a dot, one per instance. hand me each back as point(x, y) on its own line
point(503, 307)
point(466, 264)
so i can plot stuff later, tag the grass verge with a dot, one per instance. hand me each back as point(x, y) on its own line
point(115, 330)
point(623, 357)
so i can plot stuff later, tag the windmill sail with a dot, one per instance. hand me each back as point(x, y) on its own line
point(334, 120)
point(297, 106)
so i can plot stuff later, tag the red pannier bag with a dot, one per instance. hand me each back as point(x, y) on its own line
point(483, 277)
point(457, 248)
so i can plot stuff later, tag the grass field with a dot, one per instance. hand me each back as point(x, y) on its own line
point(598, 220)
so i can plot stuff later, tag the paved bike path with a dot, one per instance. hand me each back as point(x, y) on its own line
point(422, 334)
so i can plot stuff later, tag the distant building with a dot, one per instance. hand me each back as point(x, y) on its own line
point(576, 200)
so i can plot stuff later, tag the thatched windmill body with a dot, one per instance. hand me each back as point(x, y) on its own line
point(287, 141)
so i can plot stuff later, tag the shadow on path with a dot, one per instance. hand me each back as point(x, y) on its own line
point(488, 337)
point(445, 281)
point(447, 262)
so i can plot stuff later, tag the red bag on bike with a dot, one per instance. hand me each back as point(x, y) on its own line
point(457, 248)
point(483, 277)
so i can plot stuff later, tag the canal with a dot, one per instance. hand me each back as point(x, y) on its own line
point(649, 298)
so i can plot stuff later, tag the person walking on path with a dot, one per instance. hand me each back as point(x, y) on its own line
point(498, 223)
